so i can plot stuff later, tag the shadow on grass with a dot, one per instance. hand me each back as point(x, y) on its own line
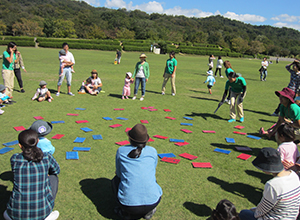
point(264, 120)
point(257, 112)
point(254, 151)
point(155, 92)
point(205, 116)
point(253, 194)
point(198, 209)
point(207, 99)
point(4, 193)
point(262, 176)
point(99, 191)
point(264, 136)
point(118, 96)
point(192, 90)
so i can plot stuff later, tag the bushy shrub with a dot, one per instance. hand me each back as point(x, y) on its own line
point(233, 54)
point(136, 48)
point(16, 38)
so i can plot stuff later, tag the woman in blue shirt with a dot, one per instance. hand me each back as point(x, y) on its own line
point(135, 185)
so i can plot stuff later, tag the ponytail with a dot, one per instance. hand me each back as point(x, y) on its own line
point(29, 139)
point(135, 153)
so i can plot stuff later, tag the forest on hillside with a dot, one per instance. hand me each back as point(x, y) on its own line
point(77, 19)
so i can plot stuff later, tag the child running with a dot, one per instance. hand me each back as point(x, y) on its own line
point(42, 93)
point(126, 88)
point(210, 79)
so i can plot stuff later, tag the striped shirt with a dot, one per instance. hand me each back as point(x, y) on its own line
point(281, 198)
point(31, 197)
point(295, 79)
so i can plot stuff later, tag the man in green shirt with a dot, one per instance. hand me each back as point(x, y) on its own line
point(237, 95)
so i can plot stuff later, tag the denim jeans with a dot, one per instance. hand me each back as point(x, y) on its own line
point(247, 215)
point(137, 84)
point(263, 74)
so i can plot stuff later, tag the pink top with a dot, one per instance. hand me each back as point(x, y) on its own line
point(288, 151)
point(127, 82)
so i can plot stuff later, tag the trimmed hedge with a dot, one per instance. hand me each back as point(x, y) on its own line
point(136, 48)
point(18, 42)
point(17, 38)
point(83, 41)
point(81, 46)
point(233, 54)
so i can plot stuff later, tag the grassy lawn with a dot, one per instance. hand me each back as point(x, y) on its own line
point(188, 193)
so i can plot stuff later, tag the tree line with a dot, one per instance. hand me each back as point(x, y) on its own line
point(77, 19)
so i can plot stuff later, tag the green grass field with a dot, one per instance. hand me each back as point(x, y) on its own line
point(188, 193)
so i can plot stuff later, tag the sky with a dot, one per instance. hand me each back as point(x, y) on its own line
point(277, 13)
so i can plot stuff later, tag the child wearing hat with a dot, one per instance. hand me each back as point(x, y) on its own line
point(210, 79)
point(63, 62)
point(281, 196)
point(4, 99)
point(42, 128)
point(126, 88)
point(42, 93)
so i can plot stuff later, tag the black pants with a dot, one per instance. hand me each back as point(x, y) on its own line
point(217, 71)
point(133, 212)
point(19, 77)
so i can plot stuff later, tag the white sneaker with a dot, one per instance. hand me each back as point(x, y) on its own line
point(221, 76)
point(142, 98)
point(53, 215)
point(162, 93)
point(173, 94)
point(1, 111)
point(71, 94)
point(134, 97)
point(229, 102)
point(57, 94)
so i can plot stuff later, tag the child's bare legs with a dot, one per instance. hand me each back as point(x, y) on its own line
point(61, 70)
point(209, 90)
point(72, 69)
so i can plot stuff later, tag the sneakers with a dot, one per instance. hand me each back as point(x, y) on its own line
point(22, 90)
point(173, 94)
point(57, 94)
point(221, 76)
point(134, 97)
point(72, 71)
point(229, 102)
point(162, 93)
point(126, 97)
point(53, 215)
point(242, 119)
point(81, 92)
point(123, 97)
point(142, 98)
point(231, 120)
point(1, 111)
point(150, 214)
point(70, 93)
point(274, 114)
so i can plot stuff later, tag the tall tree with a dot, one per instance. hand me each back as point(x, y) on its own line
point(27, 28)
point(239, 45)
point(64, 28)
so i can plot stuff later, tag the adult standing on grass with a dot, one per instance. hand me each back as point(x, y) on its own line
point(263, 72)
point(9, 59)
point(281, 196)
point(32, 195)
point(135, 186)
point(118, 56)
point(288, 110)
point(141, 74)
point(228, 69)
point(219, 67)
point(211, 61)
point(67, 70)
point(237, 95)
point(170, 71)
point(17, 69)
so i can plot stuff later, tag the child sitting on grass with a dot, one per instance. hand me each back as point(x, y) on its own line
point(42, 128)
point(210, 79)
point(3, 97)
point(225, 210)
point(288, 149)
point(42, 93)
point(126, 88)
